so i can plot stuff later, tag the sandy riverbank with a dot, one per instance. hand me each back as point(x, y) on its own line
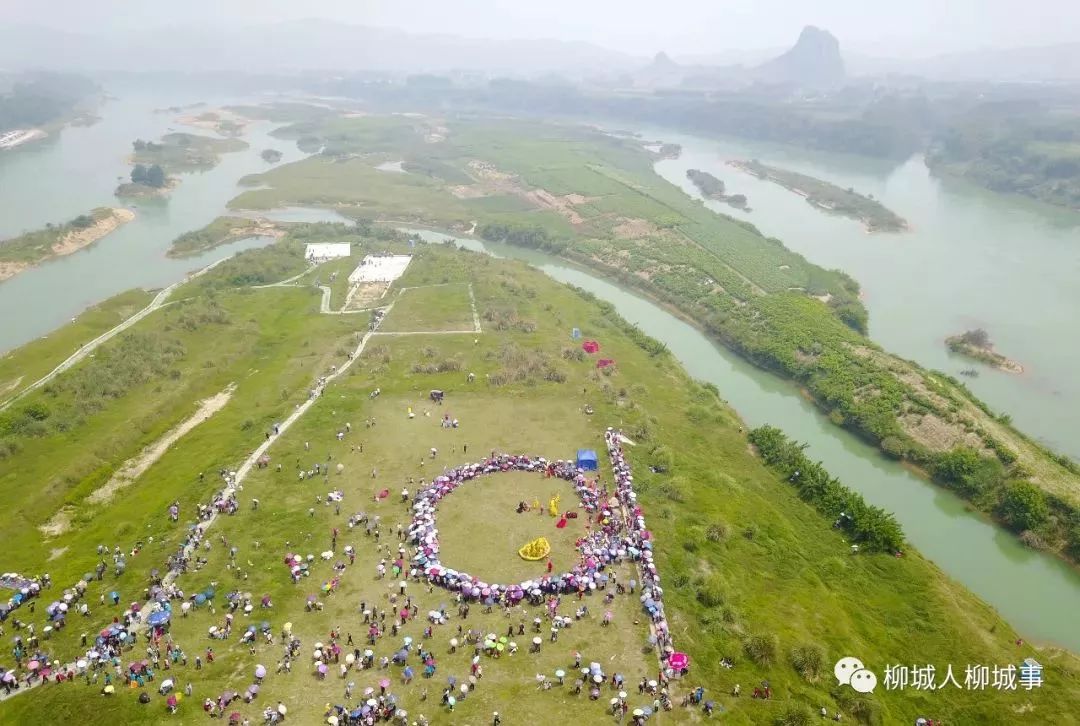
point(73, 241)
point(77, 239)
point(18, 137)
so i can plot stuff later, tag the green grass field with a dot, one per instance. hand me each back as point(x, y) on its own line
point(22, 366)
point(486, 509)
point(744, 561)
point(431, 309)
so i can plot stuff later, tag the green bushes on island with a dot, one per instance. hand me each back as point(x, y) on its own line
point(713, 188)
point(829, 197)
point(870, 526)
point(976, 344)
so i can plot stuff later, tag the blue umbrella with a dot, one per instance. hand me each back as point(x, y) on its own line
point(356, 713)
point(200, 599)
point(159, 618)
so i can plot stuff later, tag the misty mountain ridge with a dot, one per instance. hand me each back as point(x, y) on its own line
point(813, 62)
point(298, 45)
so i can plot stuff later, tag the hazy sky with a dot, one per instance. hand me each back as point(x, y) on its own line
point(879, 27)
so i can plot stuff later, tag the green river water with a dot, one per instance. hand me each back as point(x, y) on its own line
point(972, 259)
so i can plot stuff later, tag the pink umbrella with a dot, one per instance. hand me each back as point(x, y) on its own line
point(33, 665)
point(384, 683)
point(679, 661)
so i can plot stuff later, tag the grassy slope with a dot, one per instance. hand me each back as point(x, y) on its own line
point(791, 579)
point(431, 309)
point(22, 366)
point(748, 291)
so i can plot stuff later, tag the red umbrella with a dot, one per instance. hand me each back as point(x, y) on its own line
point(678, 661)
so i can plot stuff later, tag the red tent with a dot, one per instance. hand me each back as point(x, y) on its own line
point(590, 346)
point(604, 363)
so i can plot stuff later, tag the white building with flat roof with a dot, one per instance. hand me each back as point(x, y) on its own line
point(380, 268)
point(321, 251)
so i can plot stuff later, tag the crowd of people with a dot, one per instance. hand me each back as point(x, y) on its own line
point(615, 534)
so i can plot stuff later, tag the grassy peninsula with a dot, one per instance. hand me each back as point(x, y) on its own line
point(713, 188)
point(221, 231)
point(57, 240)
point(829, 197)
point(596, 200)
point(750, 561)
point(976, 344)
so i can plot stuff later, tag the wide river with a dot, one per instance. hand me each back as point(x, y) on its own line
point(965, 264)
point(77, 170)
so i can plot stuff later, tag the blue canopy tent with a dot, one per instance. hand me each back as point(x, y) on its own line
point(586, 459)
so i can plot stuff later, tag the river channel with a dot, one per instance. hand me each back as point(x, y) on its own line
point(78, 170)
point(1037, 593)
point(972, 259)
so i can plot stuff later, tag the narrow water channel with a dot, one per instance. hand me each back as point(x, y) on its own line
point(1035, 592)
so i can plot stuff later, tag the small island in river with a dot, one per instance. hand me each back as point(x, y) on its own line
point(180, 152)
point(829, 197)
point(57, 240)
point(713, 188)
point(271, 156)
point(976, 344)
point(156, 161)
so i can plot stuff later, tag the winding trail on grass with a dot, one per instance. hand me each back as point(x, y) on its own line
point(160, 300)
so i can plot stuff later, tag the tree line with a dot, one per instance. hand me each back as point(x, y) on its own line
point(870, 526)
point(151, 176)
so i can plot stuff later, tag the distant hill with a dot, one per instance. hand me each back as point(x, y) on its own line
point(813, 62)
point(299, 45)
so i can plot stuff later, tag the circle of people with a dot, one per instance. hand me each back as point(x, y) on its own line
point(620, 534)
